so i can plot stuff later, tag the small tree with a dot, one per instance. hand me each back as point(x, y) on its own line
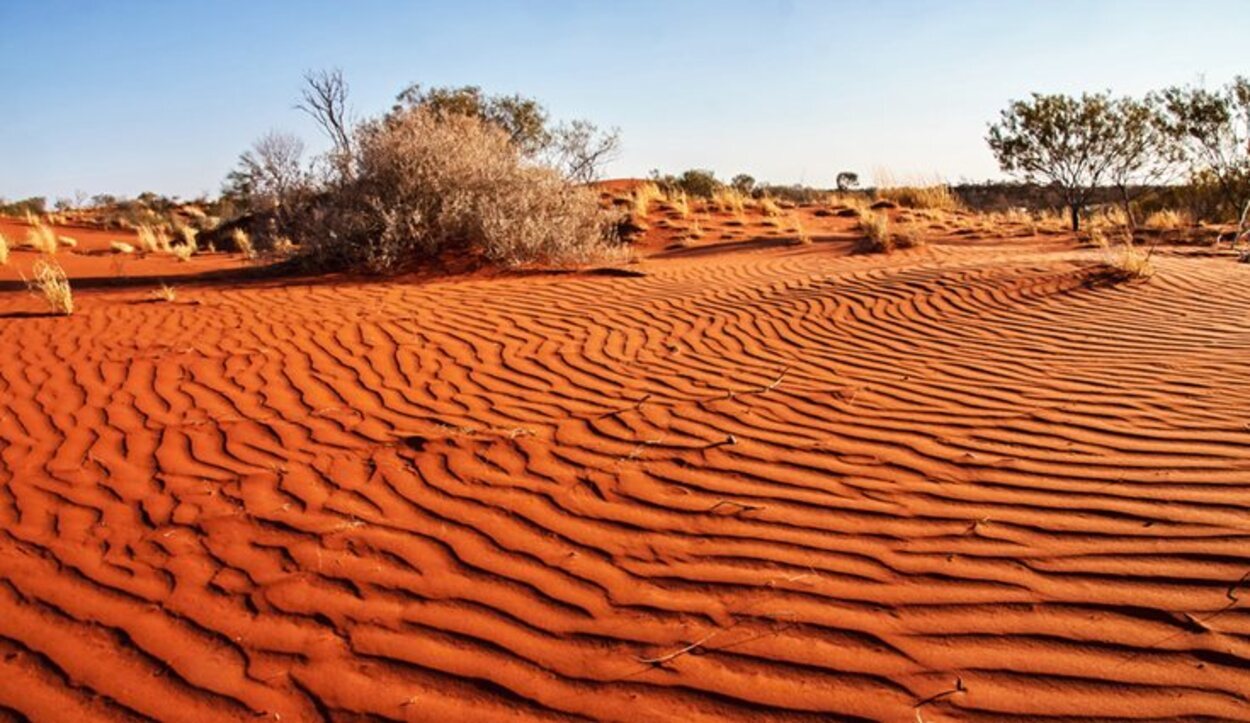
point(743, 183)
point(1140, 155)
point(269, 173)
point(847, 180)
point(1068, 143)
point(1210, 132)
point(698, 182)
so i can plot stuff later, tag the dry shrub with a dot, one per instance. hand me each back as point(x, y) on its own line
point(4, 250)
point(189, 235)
point(41, 238)
point(678, 202)
point(243, 243)
point(642, 198)
point(1125, 261)
point(800, 233)
point(1168, 220)
point(428, 183)
point(875, 226)
point(729, 200)
point(50, 282)
point(153, 239)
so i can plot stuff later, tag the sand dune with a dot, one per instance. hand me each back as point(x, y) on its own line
point(961, 482)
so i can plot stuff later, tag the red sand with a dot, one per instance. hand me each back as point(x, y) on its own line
point(763, 481)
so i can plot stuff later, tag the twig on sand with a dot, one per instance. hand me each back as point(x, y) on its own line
point(776, 382)
point(637, 407)
point(959, 688)
point(730, 503)
point(667, 657)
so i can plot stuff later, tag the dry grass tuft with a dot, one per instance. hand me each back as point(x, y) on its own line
point(243, 243)
point(165, 293)
point(67, 241)
point(121, 247)
point(152, 239)
point(938, 197)
point(41, 238)
point(770, 208)
point(182, 252)
point(1125, 262)
point(853, 204)
point(800, 234)
point(50, 282)
point(4, 250)
point(875, 226)
point(642, 198)
point(1168, 220)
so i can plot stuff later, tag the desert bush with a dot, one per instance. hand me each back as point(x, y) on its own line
point(243, 242)
point(49, 281)
point(743, 183)
point(875, 226)
point(426, 183)
point(37, 205)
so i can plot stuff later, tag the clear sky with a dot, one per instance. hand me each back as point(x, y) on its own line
point(126, 95)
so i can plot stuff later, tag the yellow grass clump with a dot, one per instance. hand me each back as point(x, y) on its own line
point(41, 238)
point(642, 197)
point(857, 203)
point(4, 250)
point(1167, 220)
point(243, 243)
point(680, 203)
point(800, 234)
point(67, 241)
point(121, 247)
point(769, 207)
point(152, 239)
point(165, 293)
point(182, 252)
point(1125, 262)
point(50, 282)
point(916, 192)
point(876, 229)
point(729, 200)
point(879, 238)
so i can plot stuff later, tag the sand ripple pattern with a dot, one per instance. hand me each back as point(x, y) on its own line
point(951, 484)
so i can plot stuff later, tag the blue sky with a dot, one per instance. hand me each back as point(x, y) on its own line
point(128, 95)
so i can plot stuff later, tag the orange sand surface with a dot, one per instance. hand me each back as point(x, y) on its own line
point(759, 480)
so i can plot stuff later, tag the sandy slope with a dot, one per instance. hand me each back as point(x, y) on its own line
point(769, 481)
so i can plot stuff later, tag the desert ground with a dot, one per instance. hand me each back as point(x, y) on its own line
point(752, 474)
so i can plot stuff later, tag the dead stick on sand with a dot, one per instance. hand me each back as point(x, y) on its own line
point(959, 688)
